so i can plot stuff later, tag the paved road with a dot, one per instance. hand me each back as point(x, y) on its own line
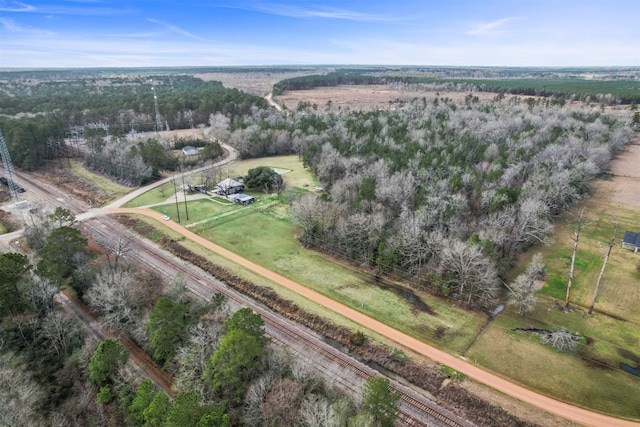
point(562, 409)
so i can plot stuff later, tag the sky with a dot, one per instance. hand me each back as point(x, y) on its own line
point(154, 33)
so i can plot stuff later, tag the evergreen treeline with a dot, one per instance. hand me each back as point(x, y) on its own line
point(125, 101)
point(611, 91)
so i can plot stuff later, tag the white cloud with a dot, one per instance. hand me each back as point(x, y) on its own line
point(313, 12)
point(17, 7)
point(12, 27)
point(489, 28)
point(176, 29)
point(80, 10)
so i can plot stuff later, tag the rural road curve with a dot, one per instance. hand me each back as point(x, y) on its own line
point(562, 409)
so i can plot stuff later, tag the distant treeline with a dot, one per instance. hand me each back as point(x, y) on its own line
point(125, 100)
point(623, 91)
point(36, 114)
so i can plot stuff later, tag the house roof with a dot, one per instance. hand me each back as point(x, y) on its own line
point(632, 238)
point(189, 150)
point(228, 183)
point(243, 197)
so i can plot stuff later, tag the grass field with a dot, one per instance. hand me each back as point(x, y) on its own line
point(112, 189)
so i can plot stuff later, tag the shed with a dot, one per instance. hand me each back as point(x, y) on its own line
point(190, 151)
point(229, 186)
point(243, 199)
point(631, 241)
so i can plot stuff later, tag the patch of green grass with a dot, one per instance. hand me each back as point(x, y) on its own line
point(157, 195)
point(297, 177)
point(3, 228)
point(198, 210)
point(270, 241)
point(525, 360)
point(111, 188)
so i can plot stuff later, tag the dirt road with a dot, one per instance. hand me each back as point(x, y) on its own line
point(565, 410)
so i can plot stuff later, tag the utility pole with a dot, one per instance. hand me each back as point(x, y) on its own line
point(604, 264)
point(184, 190)
point(176, 191)
point(576, 238)
point(8, 169)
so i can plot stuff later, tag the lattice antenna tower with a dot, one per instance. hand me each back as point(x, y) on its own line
point(8, 169)
point(155, 104)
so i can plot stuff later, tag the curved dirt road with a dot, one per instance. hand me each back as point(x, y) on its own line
point(564, 410)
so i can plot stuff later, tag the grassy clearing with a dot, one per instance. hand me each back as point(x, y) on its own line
point(157, 195)
point(199, 210)
point(112, 189)
point(525, 360)
point(592, 377)
point(619, 293)
point(297, 177)
point(269, 241)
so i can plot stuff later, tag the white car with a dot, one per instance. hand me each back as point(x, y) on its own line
point(166, 217)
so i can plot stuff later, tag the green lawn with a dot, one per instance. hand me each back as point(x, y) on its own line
point(111, 188)
point(521, 357)
point(269, 241)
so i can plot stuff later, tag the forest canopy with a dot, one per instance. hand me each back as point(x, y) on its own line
point(447, 193)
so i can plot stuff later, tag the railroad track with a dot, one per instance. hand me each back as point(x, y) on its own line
point(415, 409)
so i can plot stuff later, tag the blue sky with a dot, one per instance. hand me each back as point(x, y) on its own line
point(104, 33)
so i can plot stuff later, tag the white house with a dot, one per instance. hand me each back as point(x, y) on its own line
point(228, 186)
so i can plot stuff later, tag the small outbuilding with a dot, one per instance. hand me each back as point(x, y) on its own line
point(631, 241)
point(243, 199)
point(190, 151)
point(228, 186)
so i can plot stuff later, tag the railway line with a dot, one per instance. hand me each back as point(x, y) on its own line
point(415, 409)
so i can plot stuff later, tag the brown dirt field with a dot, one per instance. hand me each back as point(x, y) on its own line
point(366, 97)
point(623, 189)
point(256, 83)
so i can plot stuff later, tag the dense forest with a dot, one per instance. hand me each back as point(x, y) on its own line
point(441, 193)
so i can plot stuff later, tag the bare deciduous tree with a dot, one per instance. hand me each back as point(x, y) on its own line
point(464, 269)
point(561, 340)
point(110, 296)
point(604, 265)
point(576, 229)
point(20, 395)
point(522, 290)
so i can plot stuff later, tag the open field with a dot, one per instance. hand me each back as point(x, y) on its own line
point(368, 97)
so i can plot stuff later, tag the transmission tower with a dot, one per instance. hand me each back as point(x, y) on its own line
point(155, 104)
point(8, 169)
